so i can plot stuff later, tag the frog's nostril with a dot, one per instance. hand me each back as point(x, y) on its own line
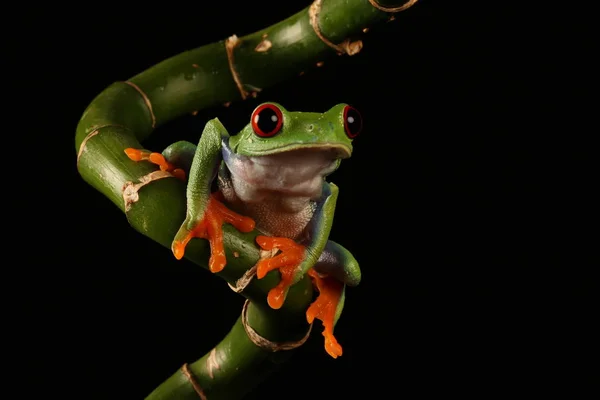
point(310, 127)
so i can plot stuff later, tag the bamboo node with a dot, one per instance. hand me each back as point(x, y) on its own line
point(84, 142)
point(403, 7)
point(346, 47)
point(230, 44)
point(265, 343)
point(130, 189)
point(146, 101)
point(190, 377)
point(94, 132)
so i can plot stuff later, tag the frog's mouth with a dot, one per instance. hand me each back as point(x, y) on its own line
point(297, 170)
point(304, 162)
point(332, 150)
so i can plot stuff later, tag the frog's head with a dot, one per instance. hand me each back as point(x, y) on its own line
point(274, 130)
point(291, 152)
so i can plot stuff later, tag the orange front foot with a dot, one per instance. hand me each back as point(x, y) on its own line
point(290, 256)
point(324, 308)
point(155, 158)
point(211, 228)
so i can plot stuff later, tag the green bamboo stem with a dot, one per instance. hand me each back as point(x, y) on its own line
point(235, 366)
point(126, 113)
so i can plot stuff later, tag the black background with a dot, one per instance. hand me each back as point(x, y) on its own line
point(467, 202)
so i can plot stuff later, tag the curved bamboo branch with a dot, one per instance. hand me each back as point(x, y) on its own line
point(126, 113)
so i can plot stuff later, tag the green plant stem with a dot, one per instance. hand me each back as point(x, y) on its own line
point(126, 113)
point(237, 364)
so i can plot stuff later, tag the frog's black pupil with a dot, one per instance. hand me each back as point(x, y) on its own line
point(353, 121)
point(267, 120)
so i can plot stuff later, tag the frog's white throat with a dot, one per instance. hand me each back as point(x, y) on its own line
point(292, 177)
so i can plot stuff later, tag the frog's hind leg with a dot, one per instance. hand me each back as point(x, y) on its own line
point(181, 154)
point(176, 158)
point(336, 261)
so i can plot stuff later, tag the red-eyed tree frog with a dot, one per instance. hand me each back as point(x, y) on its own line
point(271, 176)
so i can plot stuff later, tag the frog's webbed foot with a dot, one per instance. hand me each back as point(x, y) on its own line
point(326, 308)
point(155, 158)
point(210, 227)
point(287, 261)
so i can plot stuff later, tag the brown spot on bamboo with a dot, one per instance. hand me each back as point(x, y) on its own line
point(227, 104)
point(212, 363)
point(195, 66)
point(365, 30)
point(195, 112)
point(263, 46)
point(146, 101)
point(188, 374)
point(131, 190)
point(244, 280)
point(301, 73)
point(230, 44)
point(320, 64)
point(408, 4)
point(347, 46)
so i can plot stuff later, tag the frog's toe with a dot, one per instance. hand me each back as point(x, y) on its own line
point(157, 159)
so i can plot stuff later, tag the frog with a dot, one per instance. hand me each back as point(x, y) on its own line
point(271, 176)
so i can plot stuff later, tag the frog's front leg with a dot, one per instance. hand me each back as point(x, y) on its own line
point(206, 212)
point(294, 260)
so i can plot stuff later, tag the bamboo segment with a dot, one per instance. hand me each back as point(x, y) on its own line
point(236, 365)
point(126, 113)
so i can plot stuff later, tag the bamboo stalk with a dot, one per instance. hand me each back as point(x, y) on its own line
point(126, 113)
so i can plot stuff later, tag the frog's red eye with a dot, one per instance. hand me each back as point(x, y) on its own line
point(352, 122)
point(267, 120)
